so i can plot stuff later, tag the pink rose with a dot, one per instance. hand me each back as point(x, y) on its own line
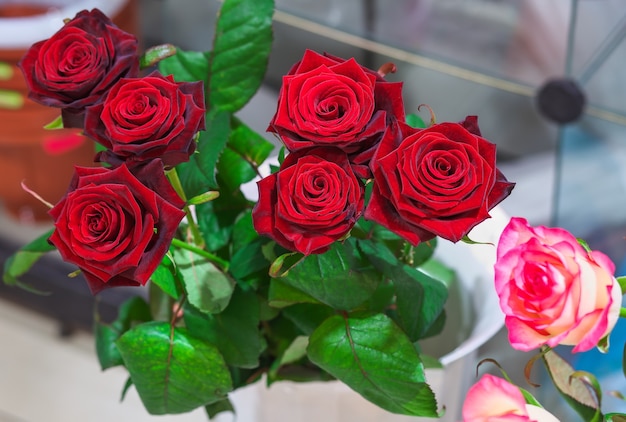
point(552, 290)
point(494, 399)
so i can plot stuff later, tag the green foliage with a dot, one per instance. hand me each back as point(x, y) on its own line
point(340, 278)
point(240, 54)
point(235, 331)
point(226, 305)
point(173, 371)
point(574, 389)
point(374, 357)
point(198, 174)
point(133, 311)
point(186, 66)
point(23, 260)
point(208, 288)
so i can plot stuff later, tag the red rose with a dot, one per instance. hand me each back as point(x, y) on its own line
point(439, 181)
point(116, 226)
point(329, 101)
point(77, 65)
point(145, 118)
point(312, 201)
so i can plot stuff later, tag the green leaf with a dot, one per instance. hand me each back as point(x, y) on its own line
point(308, 316)
point(420, 298)
point(165, 277)
point(217, 219)
point(244, 232)
point(245, 152)
point(340, 277)
point(528, 397)
point(241, 48)
point(198, 174)
point(127, 385)
point(132, 311)
point(282, 294)
point(214, 409)
point(154, 55)
point(374, 357)
point(615, 417)
point(292, 354)
point(172, 371)
point(248, 259)
point(21, 261)
point(415, 120)
point(187, 66)
point(235, 331)
point(574, 390)
point(207, 287)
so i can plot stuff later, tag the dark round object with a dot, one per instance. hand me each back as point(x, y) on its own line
point(561, 100)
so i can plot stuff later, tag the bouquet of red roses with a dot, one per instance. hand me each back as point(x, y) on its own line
point(323, 277)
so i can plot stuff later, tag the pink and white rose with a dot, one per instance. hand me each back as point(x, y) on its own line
point(552, 290)
point(493, 399)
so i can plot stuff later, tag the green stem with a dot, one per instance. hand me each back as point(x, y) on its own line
point(622, 312)
point(172, 175)
point(224, 265)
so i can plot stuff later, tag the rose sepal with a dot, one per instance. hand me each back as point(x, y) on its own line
point(55, 124)
point(154, 55)
point(204, 197)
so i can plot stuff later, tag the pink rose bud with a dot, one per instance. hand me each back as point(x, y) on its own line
point(552, 290)
point(493, 398)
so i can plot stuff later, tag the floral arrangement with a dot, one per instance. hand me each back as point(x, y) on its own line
point(554, 290)
point(331, 270)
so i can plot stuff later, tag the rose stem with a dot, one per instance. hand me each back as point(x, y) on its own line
point(205, 254)
point(172, 175)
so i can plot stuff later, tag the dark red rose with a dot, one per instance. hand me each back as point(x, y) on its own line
point(328, 101)
point(116, 226)
point(78, 64)
point(145, 118)
point(440, 181)
point(312, 201)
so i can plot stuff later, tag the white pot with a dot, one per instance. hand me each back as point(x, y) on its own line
point(334, 401)
point(21, 32)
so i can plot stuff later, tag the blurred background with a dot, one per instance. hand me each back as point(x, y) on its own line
point(545, 78)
